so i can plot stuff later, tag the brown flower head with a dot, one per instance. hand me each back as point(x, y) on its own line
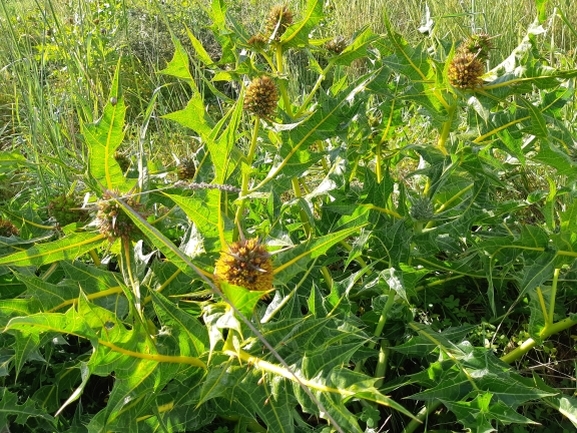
point(465, 71)
point(246, 264)
point(337, 45)
point(261, 97)
point(279, 18)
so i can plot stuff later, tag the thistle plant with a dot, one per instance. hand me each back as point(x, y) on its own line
point(348, 250)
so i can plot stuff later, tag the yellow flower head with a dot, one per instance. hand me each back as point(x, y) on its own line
point(465, 71)
point(246, 264)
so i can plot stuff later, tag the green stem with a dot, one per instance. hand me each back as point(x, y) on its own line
point(447, 126)
point(553, 296)
point(282, 83)
point(246, 171)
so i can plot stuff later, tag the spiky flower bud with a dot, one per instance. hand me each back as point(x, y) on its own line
point(112, 221)
point(246, 264)
point(479, 45)
point(422, 209)
point(186, 169)
point(8, 229)
point(64, 209)
point(465, 71)
point(279, 18)
point(261, 97)
point(337, 45)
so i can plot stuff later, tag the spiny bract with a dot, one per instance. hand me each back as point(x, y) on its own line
point(261, 97)
point(247, 264)
point(465, 71)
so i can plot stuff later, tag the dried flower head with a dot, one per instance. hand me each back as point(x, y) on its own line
point(8, 229)
point(279, 18)
point(186, 169)
point(112, 221)
point(247, 264)
point(261, 97)
point(258, 41)
point(465, 71)
point(337, 45)
point(65, 210)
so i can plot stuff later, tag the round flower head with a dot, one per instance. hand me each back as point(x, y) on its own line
point(465, 71)
point(337, 45)
point(261, 97)
point(112, 221)
point(258, 41)
point(246, 264)
point(64, 209)
point(279, 18)
point(186, 169)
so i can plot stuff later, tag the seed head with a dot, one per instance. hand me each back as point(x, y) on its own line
point(246, 264)
point(465, 71)
point(337, 45)
point(186, 169)
point(112, 221)
point(8, 229)
point(261, 97)
point(64, 209)
point(258, 41)
point(279, 18)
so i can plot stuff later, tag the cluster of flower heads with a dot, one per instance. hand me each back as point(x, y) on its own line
point(111, 219)
point(468, 64)
point(247, 264)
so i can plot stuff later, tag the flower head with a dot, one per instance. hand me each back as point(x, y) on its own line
point(279, 18)
point(261, 97)
point(465, 71)
point(246, 264)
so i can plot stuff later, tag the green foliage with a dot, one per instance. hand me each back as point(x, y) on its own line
point(422, 237)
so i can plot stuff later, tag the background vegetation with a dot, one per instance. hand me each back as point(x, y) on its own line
point(421, 231)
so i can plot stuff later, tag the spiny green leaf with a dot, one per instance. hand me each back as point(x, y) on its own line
point(9, 406)
point(192, 336)
point(295, 260)
point(104, 137)
point(67, 248)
